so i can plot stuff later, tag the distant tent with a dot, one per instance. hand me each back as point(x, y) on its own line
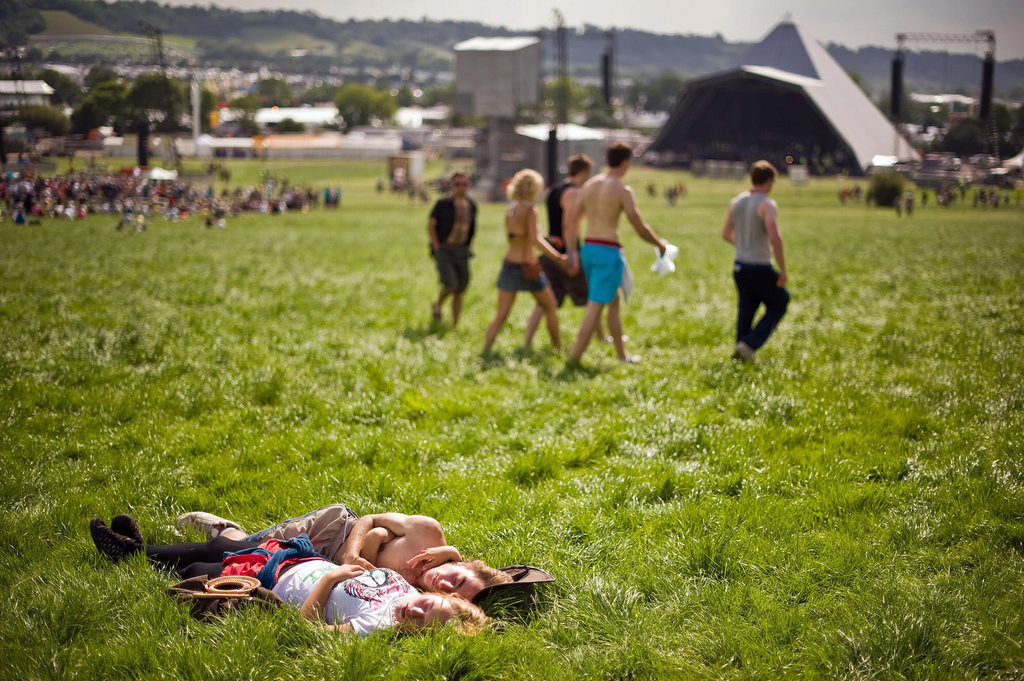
point(1014, 163)
point(787, 98)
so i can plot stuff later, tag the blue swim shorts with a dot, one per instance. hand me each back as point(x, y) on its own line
point(603, 266)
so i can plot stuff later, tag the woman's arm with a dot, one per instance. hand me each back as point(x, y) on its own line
point(313, 607)
point(541, 243)
point(345, 628)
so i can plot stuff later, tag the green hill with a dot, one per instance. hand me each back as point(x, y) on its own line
point(59, 22)
point(256, 39)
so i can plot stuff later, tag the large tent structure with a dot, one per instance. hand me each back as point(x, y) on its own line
point(787, 101)
point(1014, 163)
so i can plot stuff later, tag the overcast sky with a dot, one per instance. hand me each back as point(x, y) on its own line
point(853, 23)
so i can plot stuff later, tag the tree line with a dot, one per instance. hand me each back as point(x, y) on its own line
point(223, 36)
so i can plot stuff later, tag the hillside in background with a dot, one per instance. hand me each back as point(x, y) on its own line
point(303, 42)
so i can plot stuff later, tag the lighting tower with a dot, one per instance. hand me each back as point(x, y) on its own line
point(987, 73)
point(156, 37)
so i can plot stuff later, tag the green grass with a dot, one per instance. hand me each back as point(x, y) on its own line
point(271, 40)
point(848, 507)
point(60, 22)
point(93, 40)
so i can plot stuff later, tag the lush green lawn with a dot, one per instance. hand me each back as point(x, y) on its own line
point(849, 507)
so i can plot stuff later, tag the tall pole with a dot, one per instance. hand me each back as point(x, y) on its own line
point(561, 98)
point(196, 113)
point(608, 69)
point(896, 89)
point(562, 92)
point(987, 74)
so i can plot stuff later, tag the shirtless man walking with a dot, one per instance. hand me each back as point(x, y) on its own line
point(560, 201)
point(451, 227)
point(603, 199)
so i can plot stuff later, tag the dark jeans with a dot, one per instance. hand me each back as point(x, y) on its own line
point(192, 559)
point(755, 285)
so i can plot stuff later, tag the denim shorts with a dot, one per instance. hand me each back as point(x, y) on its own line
point(511, 279)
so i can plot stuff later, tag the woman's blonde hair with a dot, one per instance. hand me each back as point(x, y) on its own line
point(526, 185)
point(467, 619)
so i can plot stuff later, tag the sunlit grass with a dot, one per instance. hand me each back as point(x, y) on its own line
point(850, 506)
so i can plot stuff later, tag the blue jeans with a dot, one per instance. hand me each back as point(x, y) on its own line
point(756, 286)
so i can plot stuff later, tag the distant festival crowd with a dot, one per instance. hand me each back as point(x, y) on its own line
point(136, 199)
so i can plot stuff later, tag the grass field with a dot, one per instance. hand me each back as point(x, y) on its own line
point(850, 506)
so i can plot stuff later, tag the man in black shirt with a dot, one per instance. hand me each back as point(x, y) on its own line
point(451, 227)
point(560, 200)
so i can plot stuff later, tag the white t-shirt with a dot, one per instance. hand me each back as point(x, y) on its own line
point(366, 602)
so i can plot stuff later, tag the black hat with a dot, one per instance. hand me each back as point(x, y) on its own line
point(523, 579)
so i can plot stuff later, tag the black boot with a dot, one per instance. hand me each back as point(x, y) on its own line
point(114, 546)
point(125, 525)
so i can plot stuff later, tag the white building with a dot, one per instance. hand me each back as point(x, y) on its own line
point(17, 93)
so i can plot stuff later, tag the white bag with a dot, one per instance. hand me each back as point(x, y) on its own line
point(663, 264)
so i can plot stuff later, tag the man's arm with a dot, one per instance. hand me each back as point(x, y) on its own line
point(769, 213)
point(571, 220)
point(637, 220)
point(729, 228)
point(435, 243)
point(432, 557)
point(374, 539)
point(570, 202)
point(397, 524)
point(352, 549)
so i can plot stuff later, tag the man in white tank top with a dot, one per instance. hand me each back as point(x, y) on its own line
point(751, 226)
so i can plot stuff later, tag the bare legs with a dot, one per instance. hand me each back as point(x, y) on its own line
point(534, 321)
point(456, 297)
point(546, 307)
point(505, 300)
point(456, 307)
point(546, 302)
point(591, 322)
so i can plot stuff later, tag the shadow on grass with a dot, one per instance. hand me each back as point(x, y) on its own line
point(425, 331)
point(575, 371)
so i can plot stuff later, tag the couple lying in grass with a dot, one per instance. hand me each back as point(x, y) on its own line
point(380, 571)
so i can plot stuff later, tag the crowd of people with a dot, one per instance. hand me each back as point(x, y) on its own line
point(588, 264)
point(136, 198)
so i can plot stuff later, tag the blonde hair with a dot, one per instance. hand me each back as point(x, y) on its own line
point(467, 619)
point(526, 185)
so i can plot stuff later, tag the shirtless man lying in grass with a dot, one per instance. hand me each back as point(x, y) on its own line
point(414, 546)
point(365, 601)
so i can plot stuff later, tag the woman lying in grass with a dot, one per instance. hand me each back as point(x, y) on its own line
point(367, 600)
point(414, 546)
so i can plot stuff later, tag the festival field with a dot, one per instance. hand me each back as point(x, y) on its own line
point(851, 506)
